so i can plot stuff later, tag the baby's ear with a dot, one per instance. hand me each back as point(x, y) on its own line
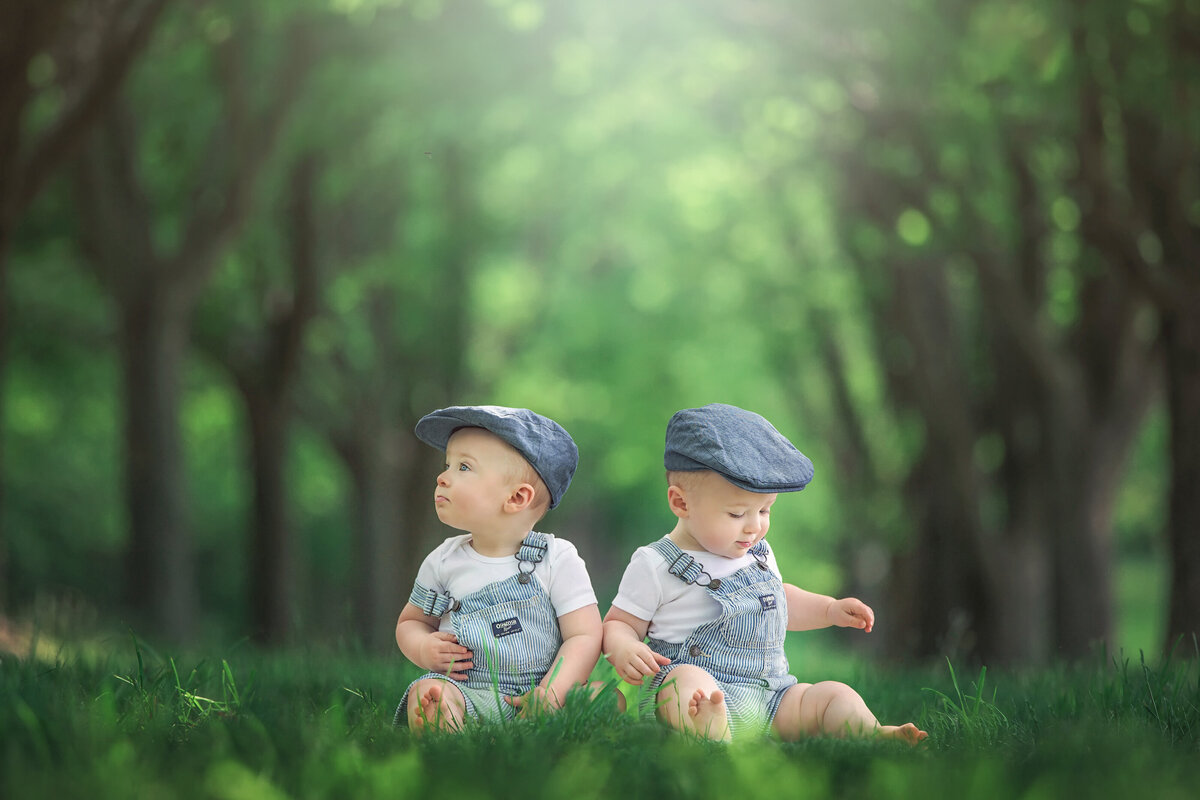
point(521, 498)
point(677, 501)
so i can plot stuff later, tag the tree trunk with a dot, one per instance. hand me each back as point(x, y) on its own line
point(266, 375)
point(160, 567)
point(1017, 570)
point(13, 97)
point(272, 552)
point(422, 530)
point(5, 600)
point(1181, 336)
point(1083, 607)
point(938, 586)
point(27, 28)
point(393, 475)
point(376, 470)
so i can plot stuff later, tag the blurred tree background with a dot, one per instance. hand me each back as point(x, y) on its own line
point(951, 249)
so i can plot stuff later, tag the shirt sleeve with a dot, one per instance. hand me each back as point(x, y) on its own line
point(429, 575)
point(570, 585)
point(640, 592)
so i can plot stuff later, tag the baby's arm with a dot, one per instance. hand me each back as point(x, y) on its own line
point(808, 611)
point(631, 657)
point(430, 649)
point(576, 658)
point(581, 632)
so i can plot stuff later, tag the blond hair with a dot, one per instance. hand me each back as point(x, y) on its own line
point(686, 479)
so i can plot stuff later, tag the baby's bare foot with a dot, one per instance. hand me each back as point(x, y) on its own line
point(908, 732)
point(432, 712)
point(709, 715)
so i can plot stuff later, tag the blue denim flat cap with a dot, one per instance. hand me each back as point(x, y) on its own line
point(544, 443)
point(740, 445)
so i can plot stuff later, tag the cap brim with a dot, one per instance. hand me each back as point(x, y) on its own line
point(435, 430)
point(803, 474)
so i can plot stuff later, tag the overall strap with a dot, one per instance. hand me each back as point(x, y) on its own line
point(432, 603)
point(533, 550)
point(683, 566)
point(760, 552)
point(533, 547)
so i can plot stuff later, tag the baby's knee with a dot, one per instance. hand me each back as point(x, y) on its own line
point(835, 690)
point(679, 687)
point(686, 679)
point(691, 674)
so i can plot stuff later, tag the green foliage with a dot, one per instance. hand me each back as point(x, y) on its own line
point(604, 210)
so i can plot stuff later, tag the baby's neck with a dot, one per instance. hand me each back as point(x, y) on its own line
point(497, 544)
point(683, 539)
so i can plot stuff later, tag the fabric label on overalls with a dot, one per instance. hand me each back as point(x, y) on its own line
point(506, 627)
point(767, 601)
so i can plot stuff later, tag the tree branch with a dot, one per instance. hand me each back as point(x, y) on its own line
point(209, 228)
point(1103, 223)
point(65, 136)
point(115, 215)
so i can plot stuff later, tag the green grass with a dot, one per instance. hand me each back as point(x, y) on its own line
point(244, 724)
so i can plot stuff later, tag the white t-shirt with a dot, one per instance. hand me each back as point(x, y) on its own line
point(455, 567)
point(674, 608)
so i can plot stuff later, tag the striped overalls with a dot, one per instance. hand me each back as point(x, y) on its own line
point(743, 648)
point(510, 627)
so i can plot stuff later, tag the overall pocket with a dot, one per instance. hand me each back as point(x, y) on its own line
point(756, 617)
point(513, 640)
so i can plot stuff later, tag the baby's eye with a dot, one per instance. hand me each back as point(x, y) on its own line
point(766, 512)
point(737, 516)
point(463, 468)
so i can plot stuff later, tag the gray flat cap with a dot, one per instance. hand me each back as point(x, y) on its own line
point(740, 445)
point(544, 443)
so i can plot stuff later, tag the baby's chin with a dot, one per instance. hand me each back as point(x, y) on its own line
point(732, 554)
point(446, 517)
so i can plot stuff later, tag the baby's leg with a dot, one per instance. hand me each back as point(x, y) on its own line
point(598, 688)
point(689, 699)
point(435, 704)
point(834, 709)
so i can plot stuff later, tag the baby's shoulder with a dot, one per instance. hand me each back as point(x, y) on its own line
point(448, 549)
point(650, 555)
point(558, 548)
point(647, 563)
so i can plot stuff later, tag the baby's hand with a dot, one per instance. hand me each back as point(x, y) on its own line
point(636, 660)
point(537, 700)
point(850, 612)
point(441, 653)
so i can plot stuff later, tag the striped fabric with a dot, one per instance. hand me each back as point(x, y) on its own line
point(511, 629)
point(429, 601)
point(743, 648)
